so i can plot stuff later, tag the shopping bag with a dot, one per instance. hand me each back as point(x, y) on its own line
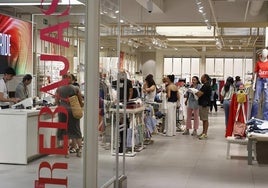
point(239, 129)
point(76, 108)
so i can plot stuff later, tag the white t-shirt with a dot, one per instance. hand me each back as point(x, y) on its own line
point(149, 97)
point(3, 89)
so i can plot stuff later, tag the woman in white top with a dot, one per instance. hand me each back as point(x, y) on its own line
point(227, 93)
point(149, 88)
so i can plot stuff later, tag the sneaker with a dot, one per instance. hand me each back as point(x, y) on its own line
point(203, 137)
point(186, 132)
point(72, 150)
point(194, 133)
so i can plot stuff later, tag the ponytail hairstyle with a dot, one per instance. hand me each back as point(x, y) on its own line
point(171, 77)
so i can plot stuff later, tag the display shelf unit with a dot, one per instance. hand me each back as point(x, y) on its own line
point(132, 113)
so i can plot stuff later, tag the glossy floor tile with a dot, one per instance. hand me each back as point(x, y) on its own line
point(170, 162)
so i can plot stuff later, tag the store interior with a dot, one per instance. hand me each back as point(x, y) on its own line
point(186, 38)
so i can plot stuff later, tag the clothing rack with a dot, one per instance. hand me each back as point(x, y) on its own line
point(136, 116)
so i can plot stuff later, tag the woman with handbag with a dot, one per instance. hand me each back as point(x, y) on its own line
point(63, 93)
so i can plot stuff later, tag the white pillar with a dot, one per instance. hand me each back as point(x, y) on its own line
point(90, 158)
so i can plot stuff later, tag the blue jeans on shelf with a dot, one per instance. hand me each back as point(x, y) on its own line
point(261, 86)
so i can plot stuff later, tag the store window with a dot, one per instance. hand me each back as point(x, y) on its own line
point(210, 68)
point(238, 67)
point(182, 67)
point(221, 68)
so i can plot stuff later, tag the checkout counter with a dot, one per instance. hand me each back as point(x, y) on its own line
point(19, 135)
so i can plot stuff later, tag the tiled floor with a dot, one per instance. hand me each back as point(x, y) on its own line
point(170, 162)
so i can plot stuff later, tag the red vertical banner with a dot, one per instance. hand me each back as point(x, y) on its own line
point(58, 40)
point(121, 60)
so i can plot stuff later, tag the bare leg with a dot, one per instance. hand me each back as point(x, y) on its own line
point(205, 126)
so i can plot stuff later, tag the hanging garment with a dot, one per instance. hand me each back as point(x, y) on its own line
point(232, 113)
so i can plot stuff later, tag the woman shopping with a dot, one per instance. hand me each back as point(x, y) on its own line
point(172, 98)
point(149, 88)
point(192, 108)
point(227, 93)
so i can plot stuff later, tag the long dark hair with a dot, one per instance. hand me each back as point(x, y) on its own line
point(198, 81)
point(229, 82)
point(150, 80)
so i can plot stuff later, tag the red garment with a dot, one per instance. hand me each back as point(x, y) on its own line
point(232, 113)
point(261, 68)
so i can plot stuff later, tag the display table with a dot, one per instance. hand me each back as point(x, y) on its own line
point(132, 114)
point(19, 135)
point(232, 140)
point(252, 139)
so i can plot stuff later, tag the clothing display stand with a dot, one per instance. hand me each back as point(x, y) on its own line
point(150, 121)
point(135, 114)
point(238, 112)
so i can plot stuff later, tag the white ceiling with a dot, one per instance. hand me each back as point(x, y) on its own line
point(230, 19)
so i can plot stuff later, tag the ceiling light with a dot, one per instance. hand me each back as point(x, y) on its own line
point(191, 39)
point(218, 44)
point(202, 11)
point(193, 31)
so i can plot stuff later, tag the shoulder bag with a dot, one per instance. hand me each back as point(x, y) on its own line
point(76, 108)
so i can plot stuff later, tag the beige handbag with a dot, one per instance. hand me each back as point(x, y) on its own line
point(77, 110)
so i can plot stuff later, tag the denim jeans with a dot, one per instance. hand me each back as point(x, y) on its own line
point(226, 106)
point(261, 86)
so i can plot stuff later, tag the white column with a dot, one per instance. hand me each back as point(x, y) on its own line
point(90, 158)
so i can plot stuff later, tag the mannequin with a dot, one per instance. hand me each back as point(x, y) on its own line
point(260, 84)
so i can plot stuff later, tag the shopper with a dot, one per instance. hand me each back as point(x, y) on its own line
point(204, 95)
point(192, 107)
point(4, 95)
point(172, 99)
point(129, 88)
point(61, 99)
point(227, 94)
point(129, 95)
point(237, 83)
point(22, 90)
point(149, 88)
point(74, 80)
point(214, 95)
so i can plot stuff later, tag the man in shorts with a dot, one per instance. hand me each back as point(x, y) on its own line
point(204, 95)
